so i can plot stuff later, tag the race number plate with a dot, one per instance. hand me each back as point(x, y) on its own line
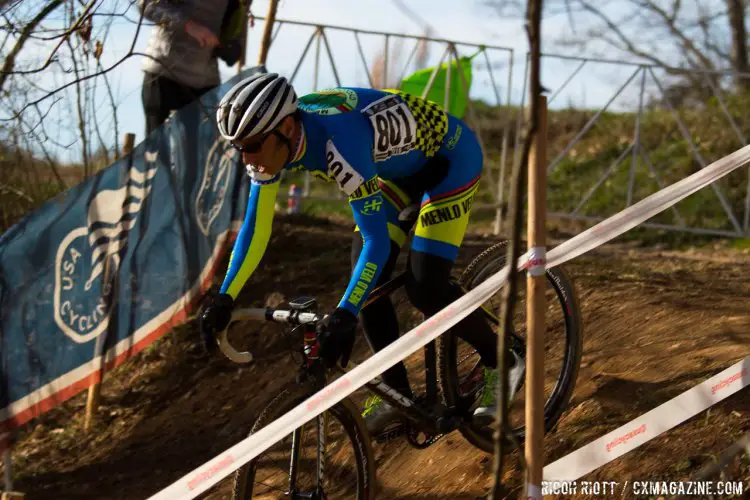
point(394, 127)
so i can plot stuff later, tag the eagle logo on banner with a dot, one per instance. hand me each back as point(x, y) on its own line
point(89, 256)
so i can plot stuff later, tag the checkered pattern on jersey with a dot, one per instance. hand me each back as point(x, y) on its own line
point(432, 122)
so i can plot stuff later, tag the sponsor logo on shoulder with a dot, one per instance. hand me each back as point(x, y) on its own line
point(329, 101)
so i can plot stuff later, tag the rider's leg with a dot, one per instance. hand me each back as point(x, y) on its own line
point(430, 289)
point(443, 218)
point(379, 319)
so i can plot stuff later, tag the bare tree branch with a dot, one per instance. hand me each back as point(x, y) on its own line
point(4, 188)
point(740, 64)
point(50, 161)
point(80, 110)
point(710, 44)
point(122, 14)
point(111, 99)
point(569, 12)
point(64, 37)
point(10, 59)
point(676, 4)
point(666, 33)
point(624, 42)
point(131, 52)
point(685, 42)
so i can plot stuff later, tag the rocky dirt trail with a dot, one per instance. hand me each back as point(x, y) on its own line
point(656, 322)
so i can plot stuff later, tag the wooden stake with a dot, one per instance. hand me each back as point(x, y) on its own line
point(265, 43)
point(127, 147)
point(7, 464)
point(536, 307)
point(243, 52)
point(94, 395)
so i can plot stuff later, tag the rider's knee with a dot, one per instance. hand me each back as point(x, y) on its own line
point(428, 293)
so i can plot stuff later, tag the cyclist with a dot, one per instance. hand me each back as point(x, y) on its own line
point(386, 150)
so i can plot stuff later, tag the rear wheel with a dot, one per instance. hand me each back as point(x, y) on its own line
point(328, 457)
point(459, 362)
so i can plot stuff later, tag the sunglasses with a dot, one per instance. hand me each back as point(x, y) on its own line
point(252, 147)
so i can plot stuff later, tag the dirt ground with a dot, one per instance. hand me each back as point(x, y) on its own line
point(656, 322)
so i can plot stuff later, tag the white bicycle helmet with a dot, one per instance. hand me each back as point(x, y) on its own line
point(255, 106)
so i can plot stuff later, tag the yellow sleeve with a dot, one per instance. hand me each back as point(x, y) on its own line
point(253, 237)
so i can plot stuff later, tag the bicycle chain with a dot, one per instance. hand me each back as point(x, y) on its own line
point(412, 438)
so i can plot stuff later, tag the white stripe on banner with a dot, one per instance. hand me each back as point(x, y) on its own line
point(650, 425)
point(216, 469)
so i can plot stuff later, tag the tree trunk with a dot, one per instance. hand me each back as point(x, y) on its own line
point(736, 12)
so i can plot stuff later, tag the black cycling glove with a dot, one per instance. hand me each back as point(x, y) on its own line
point(336, 337)
point(214, 319)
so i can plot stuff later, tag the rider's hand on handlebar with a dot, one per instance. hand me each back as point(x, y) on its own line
point(336, 337)
point(214, 319)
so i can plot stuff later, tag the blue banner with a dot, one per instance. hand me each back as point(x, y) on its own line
point(102, 270)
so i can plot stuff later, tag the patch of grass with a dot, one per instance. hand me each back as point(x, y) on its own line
point(683, 465)
point(669, 239)
point(666, 156)
point(741, 243)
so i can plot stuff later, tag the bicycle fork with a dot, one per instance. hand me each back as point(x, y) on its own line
point(322, 438)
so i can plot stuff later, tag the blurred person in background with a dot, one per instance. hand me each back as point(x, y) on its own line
point(187, 39)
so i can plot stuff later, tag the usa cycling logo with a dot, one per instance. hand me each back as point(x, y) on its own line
point(216, 176)
point(89, 256)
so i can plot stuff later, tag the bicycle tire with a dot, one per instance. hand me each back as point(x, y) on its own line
point(484, 265)
point(345, 412)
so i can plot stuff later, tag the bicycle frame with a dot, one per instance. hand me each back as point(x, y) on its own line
point(423, 422)
point(400, 280)
point(447, 419)
point(442, 421)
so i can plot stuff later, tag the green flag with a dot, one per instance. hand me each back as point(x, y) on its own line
point(416, 83)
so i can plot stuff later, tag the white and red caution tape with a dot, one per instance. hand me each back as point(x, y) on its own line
point(533, 492)
point(536, 261)
point(213, 471)
point(650, 425)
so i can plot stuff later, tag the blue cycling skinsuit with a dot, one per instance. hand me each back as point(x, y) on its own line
point(385, 150)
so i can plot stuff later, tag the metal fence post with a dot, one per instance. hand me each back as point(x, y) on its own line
point(590, 123)
point(686, 135)
point(499, 198)
point(364, 61)
point(636, 139)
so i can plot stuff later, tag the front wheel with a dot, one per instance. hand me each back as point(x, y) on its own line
point(459, 362)
point(328, 457)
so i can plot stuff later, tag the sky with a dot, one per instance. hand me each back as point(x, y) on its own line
point(471, 22)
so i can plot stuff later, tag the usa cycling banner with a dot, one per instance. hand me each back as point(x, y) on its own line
point(112, 264)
